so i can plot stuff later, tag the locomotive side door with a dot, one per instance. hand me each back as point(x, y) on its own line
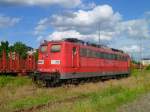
point(75, 57)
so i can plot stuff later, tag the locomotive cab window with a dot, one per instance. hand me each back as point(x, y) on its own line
point(43, 49)
point(55, 48)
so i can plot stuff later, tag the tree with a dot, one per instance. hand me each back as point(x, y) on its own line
point(4, 46)
point(20, 48)
point(135, 62)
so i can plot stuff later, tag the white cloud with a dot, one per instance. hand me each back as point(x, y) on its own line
point(57, 35)
point(8, 21)
point(83, 22)
point(42, 25)
point(138, 28)
point(132, 49)
point(64, 3)
point(88, 6)
point(86, 21)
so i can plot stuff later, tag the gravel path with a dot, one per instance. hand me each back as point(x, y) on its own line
point(140, 105)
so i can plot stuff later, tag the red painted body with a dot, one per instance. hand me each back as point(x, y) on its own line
point(15, 64)
point(70, 61)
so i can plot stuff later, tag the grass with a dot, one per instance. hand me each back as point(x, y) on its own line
point(13, 81)
point(107, 101)
point(112, 97)
point(19, 93)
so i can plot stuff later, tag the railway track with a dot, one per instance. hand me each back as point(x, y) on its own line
point(50, 104)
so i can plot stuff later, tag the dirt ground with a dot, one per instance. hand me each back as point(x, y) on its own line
point(140, 105)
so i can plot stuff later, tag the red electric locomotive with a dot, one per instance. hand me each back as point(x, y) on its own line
point(74, 59)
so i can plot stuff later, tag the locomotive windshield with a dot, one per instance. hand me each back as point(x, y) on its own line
point(43, 48)
point(55, 48)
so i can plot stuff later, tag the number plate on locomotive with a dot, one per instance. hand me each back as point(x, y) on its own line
point(40, 62)
point(57, 62)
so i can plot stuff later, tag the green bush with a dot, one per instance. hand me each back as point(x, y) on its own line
point(148, 67)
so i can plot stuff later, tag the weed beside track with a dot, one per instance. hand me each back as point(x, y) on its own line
point(19, 94)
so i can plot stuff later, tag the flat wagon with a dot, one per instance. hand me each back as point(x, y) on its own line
point(14, 64)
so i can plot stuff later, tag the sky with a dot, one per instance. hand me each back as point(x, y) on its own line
point(123, 24)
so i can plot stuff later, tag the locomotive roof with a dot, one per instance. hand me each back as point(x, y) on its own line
point(74, 40)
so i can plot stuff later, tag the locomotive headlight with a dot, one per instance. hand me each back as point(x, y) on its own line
point(40, 62)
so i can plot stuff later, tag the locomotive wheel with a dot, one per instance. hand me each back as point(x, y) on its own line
point(52, 83)
point(45, 83)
